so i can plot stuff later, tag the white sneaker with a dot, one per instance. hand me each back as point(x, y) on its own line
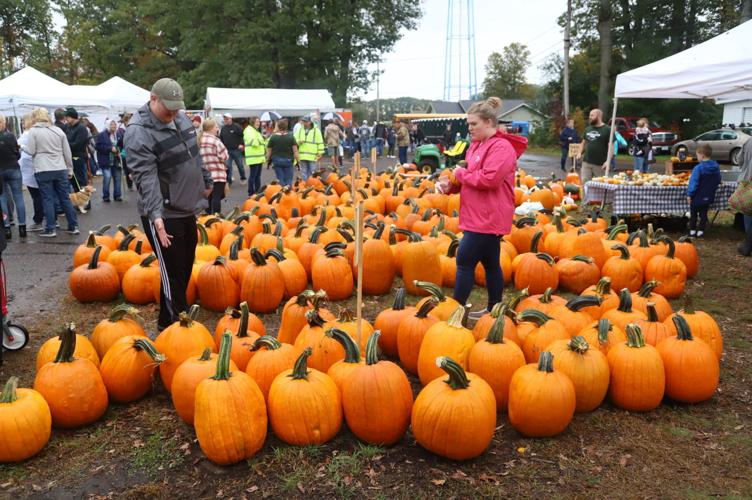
point(700, 234)
point(693, 233)
point(35, 228)
point(476, 315)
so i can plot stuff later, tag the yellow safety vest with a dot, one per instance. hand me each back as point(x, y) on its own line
point(255, 146)
point(310, 143)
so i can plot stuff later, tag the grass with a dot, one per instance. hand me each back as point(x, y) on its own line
point(155, 453)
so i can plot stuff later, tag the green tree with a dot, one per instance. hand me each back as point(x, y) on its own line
point(235, 43)
point(505, 72)
point(26, 34)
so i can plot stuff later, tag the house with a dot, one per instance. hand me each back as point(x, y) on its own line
point(512, 110)
point(737, 112)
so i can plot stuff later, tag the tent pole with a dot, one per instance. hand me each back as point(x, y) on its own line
point(612, 129)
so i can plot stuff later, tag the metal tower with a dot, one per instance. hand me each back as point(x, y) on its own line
point(460, 78)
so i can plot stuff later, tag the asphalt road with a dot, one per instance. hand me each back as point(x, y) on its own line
point(37, 268)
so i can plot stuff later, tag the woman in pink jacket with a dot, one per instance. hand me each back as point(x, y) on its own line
point(486, 187)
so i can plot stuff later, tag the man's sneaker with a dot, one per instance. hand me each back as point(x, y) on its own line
point(35, 228)
point(476, 315)
point(692, 233)
point(243, 182)
point(48, 234)
point(700, 234)
point(73, 230)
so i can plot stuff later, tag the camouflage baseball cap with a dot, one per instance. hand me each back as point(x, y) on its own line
point(170, 93)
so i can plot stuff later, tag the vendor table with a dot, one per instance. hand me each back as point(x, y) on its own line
point(627, 200)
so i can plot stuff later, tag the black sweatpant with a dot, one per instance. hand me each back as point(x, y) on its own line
point(175, 264)
point(483, 248)
point(216, 197)
point(694, 213)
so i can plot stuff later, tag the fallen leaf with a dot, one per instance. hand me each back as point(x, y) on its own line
point(521, 450)
point(438, 482)
point(300, 487)
point(252, 489)
point(138, 443)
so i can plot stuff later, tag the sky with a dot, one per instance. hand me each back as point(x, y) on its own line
point(415, 66)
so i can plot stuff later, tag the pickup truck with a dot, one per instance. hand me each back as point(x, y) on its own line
point(663, 139)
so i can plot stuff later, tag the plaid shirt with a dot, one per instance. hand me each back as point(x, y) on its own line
point(214, 154)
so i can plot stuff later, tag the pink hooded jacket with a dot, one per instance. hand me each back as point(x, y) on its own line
point(487, 184)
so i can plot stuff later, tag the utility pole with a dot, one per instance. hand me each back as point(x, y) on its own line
point(378, 93)
point(567, 44)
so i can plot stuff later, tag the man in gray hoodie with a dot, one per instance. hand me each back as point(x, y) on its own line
point(163, 156)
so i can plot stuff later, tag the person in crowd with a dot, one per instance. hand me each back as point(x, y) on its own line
point(108, 157)
point(486, 187)
point(214, 155)
point(78, 139)
point(619, 143)
point(53, 167)
point(364, 132)
point(123, 160)
point(705, 179)
point(298, 125)
point(282, 153)
point(196, 121)
point(379, 132)
point(92, 165)
point(595, 150)
point(172, 188)
point(10, 171)
point(333, 135)
point(340, 147)
point(420, 136)
point(310, 147)
point(642, 145)
point(255, 146)
point(448, 136)
point(567, 137)
point(27, 176)
point(232, 137)
point(60, 120)
point(354, 139)
point(745, 248)
point(391, 140)
point(403, 140)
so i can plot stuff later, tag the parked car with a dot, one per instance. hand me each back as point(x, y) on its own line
point(726, 144)
point(663, 139)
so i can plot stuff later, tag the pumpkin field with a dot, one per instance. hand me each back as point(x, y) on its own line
point(618, 363)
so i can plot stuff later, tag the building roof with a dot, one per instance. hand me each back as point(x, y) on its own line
point(463, 106)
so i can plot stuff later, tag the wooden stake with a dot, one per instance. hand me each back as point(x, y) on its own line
point(359, 263)
point(373, 160)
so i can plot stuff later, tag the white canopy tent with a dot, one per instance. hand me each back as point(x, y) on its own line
point(286, 102)
point(119, 95)
point(28, 88)
point(719, 68)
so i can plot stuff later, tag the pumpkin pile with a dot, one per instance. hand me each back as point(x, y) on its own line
point(539, 358)
point(283, 240)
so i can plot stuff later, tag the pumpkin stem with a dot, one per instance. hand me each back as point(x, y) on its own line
point(139, 245)
point(583, 258)
point(544, 256)
point(625, 300)
point(581, 301)
point(426, 307)
point(126, 241)
point(279, 256)
point(9, 394)
point(557, 222)
point(352, 352)
point(372, 348)
point(457, 316)
point(120, 311)
point(604, 326)
point(399, 299)
point(457, 376)
point(619, 228)
point(95, 257)
point(496, 333)
point(517, 297)
point(652, 313)
point(546, 362)
point(671, 246)
point(243, 325)
point(67, 344)
point(300, 370)
point(91, 241)
point(267, 341)
point(223, 360)
point(203, 237)
point(452, 249)
point(682, 327)
point(146, 261)
point(535, 241)
point(103, 229)
point(314, 318)
point(432, 288)
point(258, 257)
point(646, 290)
point(578, 344)
point(603, 287)
point(623, 250)
point(304, 297)
point(534, 316)
point(635, 337)
point(146, 346)
point(235, 247)
point(205, 355)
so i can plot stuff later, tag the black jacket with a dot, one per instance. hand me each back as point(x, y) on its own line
point(9, 151)
point(78, 138)
point(231, 136)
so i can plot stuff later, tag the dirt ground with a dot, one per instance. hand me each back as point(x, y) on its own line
point(143, 450)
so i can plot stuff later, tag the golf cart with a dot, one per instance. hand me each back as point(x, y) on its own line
point(429, 157)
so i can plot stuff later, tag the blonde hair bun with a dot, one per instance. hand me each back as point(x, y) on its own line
point(494, 102)
point(490, 109)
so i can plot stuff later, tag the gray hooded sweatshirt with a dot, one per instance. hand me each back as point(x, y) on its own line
point(166, 166)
